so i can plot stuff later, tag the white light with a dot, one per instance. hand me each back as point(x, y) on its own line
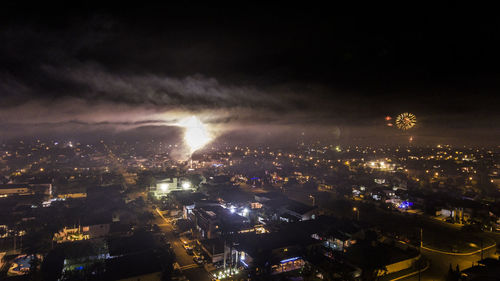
point(232, 210)
point(196, 135)
point(164, 186)
point(186, 185)
point(245, 211)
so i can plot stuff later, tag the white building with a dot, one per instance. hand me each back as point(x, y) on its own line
point(162, 187)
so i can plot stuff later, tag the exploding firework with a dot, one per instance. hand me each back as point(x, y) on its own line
point(406, 121)
point(196, 135)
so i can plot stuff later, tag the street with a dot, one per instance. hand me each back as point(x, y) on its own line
point(190, 269)
point(440, 263)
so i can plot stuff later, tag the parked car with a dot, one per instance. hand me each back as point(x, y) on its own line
point(199, 260)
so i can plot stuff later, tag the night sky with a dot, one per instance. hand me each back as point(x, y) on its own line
point(256, 73)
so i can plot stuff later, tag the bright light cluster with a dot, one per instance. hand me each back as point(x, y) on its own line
point(196, 135)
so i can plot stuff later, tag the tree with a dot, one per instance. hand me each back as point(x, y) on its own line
point(451, 274)
point(374, 257)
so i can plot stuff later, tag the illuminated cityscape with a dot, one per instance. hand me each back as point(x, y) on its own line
point(269, 143)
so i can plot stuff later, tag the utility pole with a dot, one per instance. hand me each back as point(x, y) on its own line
point(224, 255)
point(421, 239)
point(313, 199)
point(420, 250)
point(419, 265)
point(481, 248)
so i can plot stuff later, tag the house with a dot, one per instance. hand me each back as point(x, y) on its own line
point(14, 189)
point(212, 220)
point(487, 269)
point(287, 210)
point(267, 196)
point(214, 248)
point(91, 227)
point(162, 187)
point(276, 252)
point(144, 266)
point(25, 189)
point(186, 200)
point(333, 234)
point(299, 210)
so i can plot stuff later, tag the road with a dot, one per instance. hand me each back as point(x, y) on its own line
point(440, 263)
point(190, 269)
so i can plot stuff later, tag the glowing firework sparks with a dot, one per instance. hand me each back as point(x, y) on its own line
point(196, 135)
point(406, 121)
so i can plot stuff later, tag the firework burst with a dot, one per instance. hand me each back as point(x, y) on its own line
point(406, 121)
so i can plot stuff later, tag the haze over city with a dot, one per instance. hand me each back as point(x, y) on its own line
point(89, 72)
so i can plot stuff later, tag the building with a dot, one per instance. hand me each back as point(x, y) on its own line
point(276, 252)
point(75, 195)
point(213, 220)
point(287, 210)
point(25, 189)
point(163, 187)
point(141, 266)
point(92, 227)
point(14, 189)
point(299, 211)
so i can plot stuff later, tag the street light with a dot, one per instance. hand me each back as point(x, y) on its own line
point(186, 185)
point(313, 199)
point(356, 211)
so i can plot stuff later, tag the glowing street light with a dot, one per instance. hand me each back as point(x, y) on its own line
point(313, 199)
point(186, 185)
point(356, 211)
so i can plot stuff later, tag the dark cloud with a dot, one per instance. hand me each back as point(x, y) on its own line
point(259, 71)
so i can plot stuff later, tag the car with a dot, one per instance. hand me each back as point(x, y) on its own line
point(199, 260)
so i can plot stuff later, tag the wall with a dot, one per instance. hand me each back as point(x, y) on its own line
point(402, 265)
